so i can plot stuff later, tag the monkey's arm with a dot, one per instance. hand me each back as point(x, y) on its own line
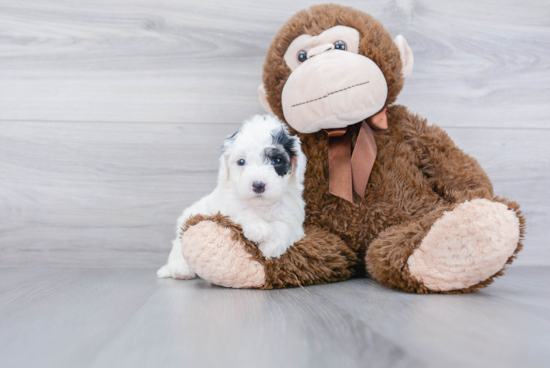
point(220, 253)
point(453, 174)
point(319, 258)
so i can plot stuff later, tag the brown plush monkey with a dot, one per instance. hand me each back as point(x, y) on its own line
point(408, 209)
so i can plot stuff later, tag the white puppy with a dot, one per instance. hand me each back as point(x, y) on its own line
point(260, 185)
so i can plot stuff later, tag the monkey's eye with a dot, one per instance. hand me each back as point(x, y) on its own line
point(340, 45)
point(302, 56)
point(276, 161)
point(240, 162)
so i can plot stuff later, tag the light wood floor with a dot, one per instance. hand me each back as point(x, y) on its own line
point(128, 318)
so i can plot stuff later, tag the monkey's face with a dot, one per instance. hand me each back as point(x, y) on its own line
point(331, 85)
point(337, 76)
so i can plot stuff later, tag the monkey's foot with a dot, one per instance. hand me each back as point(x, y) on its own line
point(466, 246)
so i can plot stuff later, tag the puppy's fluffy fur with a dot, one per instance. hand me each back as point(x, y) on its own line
point(260, 185)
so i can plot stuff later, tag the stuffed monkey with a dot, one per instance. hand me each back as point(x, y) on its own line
point(387, 196)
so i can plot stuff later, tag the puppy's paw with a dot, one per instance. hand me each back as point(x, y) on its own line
point(274, 247)
point(178, 270)
point(164, 272)
point(257, 232)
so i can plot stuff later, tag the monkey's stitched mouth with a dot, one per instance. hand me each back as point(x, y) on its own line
point(330, 93)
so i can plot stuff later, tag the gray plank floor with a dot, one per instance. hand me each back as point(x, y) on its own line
point(128, 318)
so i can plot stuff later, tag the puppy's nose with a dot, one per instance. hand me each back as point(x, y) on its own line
point(258, 187)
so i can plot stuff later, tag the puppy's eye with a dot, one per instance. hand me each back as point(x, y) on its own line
point(241, 162)
point(340, 45)
point(302, 56)
point(276, 161)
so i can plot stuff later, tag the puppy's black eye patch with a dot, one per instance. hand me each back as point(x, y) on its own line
point(280, 138)
point(278, 157)
point(282, 153)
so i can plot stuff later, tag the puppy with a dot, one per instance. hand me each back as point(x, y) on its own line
point(260, 185)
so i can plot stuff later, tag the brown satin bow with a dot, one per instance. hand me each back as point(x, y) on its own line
point(348, 171)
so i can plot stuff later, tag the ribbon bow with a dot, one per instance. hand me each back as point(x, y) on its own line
point(348, 171)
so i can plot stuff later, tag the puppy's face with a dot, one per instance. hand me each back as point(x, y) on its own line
point(260, 160)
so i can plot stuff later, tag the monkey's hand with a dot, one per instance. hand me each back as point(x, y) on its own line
point(219, 252)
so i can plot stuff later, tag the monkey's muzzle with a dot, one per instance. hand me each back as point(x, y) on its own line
point(333, 90)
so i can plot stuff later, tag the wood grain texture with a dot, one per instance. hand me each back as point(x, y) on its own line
point(108, 195)
point(127, 318)
point(477, 64)
point(112, 112)
point(100, 193)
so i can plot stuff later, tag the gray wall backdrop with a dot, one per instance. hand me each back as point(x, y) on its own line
point(112, 112)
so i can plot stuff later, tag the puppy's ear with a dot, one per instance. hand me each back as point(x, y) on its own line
point(293, 161)
point(298, 161)
point(223, 173)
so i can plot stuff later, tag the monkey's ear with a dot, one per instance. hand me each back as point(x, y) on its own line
point(406, 55)
point(263, 100)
